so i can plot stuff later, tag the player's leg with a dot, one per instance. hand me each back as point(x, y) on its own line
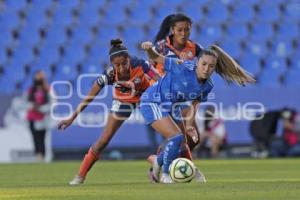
point(118, 115)
point(168, 129)
point(96, 149)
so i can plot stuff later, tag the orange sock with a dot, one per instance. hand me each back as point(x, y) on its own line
point(88, 161)
point(186, 152)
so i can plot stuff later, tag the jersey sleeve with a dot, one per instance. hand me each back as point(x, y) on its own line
point(106, 78)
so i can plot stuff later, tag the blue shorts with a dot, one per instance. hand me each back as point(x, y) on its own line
point(152, 112)
point(122, 109)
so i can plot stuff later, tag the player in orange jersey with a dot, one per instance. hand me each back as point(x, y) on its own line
point(130, 77)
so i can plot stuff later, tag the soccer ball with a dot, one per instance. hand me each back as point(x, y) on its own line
point(182, 170)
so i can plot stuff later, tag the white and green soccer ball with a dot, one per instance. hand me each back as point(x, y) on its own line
point(182, 170)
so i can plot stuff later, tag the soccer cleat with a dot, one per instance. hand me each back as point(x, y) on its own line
point(77, 180)
point(165, 178)
point(154, 171)
point(199, 176)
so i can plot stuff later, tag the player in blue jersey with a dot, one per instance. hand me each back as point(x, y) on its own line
point(173, 40)
point(184, 81)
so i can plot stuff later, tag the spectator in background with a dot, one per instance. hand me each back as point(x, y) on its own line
point(213, 136)
point(289, 143)
point(39, 100)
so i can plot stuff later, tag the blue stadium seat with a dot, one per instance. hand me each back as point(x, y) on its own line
point(6, 37)
point(268, 12)
point(82, 34)
point(258, 48)
point(37, 66)
point(114, 16)
point(65, 71)
point(217, 13)
point(139, 15)
point(162, 11)
point(89, 16)
point(198, 3)
point(274, 62)
point(292, 78)
point(2, 55)
point(251, 63)
point(295, 62)
point(210, 32)
point(237, 31)
point(15, 6)
point(282, 48)
point(68, 5)
point(36, 18)
point(232, 47)
point(194, 11)
point(62, 17)
point(242, 13)
point(91, 68)
point(23, 54)
point(9, 20)
point(133, 34)
point(106, 33)
point(288, 30)
point(56, 36)
point(49, 54)
point(120, 3)
point(29, 36)
point(147, 4)
point(7, 85)
point(95, 3)
point(74, 53)
point(11, 69)
point(292, 10)
point(99, 52)
point(261, 31)
point(41, 5)
point(269, 78)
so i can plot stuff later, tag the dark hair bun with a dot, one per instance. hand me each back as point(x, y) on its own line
point(116, 43)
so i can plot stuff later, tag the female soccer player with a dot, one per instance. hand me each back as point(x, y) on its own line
point(130, 78)
point(172, 40)
point(184, 81)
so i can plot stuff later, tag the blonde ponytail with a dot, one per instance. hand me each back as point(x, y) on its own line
point(229, 69)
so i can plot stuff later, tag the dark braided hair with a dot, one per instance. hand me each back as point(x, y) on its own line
point(168, 23)
point(117, 49)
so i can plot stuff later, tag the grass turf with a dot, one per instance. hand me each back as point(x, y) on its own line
point(227, 179)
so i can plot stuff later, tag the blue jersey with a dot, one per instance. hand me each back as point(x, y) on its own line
point(180, 84)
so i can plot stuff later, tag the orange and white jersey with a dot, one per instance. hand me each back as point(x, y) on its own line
point(166, 48)
point(141, 72)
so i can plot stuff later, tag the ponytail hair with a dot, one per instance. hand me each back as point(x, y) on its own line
point(168, 23)
point(117, 49)
point(229, 69)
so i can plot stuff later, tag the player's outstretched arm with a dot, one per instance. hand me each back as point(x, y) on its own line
point(83, 104)
point(153, 55)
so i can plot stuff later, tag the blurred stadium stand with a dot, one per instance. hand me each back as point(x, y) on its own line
point(69, 37)
point(40, 33)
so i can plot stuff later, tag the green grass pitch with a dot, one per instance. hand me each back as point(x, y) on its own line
point(227, 179)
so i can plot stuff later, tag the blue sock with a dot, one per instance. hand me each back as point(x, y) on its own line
point(160, 158)
point(171, 151)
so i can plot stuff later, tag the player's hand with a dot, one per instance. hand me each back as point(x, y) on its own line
point(191, 131)
point(147, 45)
point(64, 124)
